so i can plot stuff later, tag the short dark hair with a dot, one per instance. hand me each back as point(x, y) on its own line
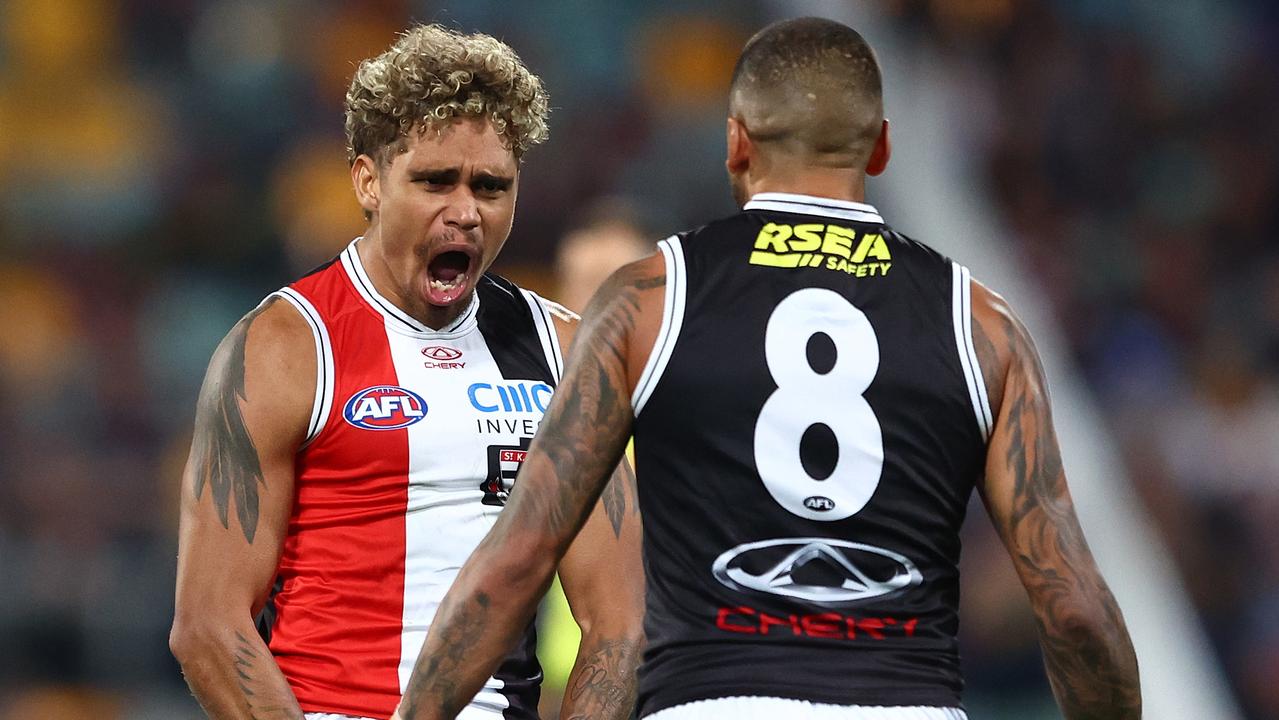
point(825, 71)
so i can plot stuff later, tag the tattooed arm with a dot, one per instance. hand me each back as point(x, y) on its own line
point(1087, 652)
point(603, 577)
point(579, 444)
point(237, 493)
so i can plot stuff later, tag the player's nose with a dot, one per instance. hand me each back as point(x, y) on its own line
point(462, 212)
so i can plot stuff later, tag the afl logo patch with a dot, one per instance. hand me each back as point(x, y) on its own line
point(384, 407)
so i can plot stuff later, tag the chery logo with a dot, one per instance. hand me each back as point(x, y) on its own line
point(442, 358)
point(439, 352)
point(820, 570)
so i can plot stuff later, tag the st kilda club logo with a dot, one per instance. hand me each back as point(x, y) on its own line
point(442, 357)
point(504, 464)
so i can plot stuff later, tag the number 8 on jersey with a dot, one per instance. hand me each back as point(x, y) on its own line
point(806, 397)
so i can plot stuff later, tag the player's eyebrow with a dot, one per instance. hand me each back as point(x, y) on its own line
point(500, 182)
point(443, 176)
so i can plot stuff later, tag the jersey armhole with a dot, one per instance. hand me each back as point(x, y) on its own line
point(324, 374)
point(962, 312)
point(672, 320)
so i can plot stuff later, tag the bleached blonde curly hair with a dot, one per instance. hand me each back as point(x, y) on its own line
point(432, 75)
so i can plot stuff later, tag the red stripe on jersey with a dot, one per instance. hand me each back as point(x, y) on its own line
point(340, 608)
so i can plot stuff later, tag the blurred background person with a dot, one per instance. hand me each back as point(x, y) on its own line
point(164, 165)
point(609, 235)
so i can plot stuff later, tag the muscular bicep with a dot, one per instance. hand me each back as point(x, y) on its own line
point(237, 488)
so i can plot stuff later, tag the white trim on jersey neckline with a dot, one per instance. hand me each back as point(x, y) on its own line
point(398, 319)
point(813, 205)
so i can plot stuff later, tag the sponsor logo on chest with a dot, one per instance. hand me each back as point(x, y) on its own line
point(518, 396)
point(441, 357)
point(509, 407)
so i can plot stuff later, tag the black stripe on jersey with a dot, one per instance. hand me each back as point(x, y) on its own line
point(490, 279)
point(508, 327)
point(521, 676)
point(265, 621)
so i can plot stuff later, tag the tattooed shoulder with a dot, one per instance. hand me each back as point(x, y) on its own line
point(224, 457)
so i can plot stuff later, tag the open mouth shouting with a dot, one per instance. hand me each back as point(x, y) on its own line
point(449, 274)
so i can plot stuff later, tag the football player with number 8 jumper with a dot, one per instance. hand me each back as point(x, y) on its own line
point(359, 432)
point(814, 398)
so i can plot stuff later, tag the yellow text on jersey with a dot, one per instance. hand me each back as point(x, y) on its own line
point(816, 245)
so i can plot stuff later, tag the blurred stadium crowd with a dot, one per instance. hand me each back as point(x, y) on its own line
point(166, 163)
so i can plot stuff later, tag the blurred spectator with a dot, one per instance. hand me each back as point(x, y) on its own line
point(1134, 158)
point(609, 236)
point(62, 703)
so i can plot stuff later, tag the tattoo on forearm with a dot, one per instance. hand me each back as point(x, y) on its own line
point(603, 685)
point(223, 455)
point(438, 677)
point(266, 696)
point(588, 433)
point(1088, 655)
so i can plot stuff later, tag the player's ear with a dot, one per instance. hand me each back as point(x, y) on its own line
point(364, 176)
point(739, 148)
point(880, 155)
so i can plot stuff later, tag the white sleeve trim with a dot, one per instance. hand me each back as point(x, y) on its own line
point(546, 333)
point(324, 373)
point(962, 311)
point(672, 321)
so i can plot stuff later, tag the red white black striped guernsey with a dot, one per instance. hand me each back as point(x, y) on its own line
point(810, 425)
point(414, 440)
